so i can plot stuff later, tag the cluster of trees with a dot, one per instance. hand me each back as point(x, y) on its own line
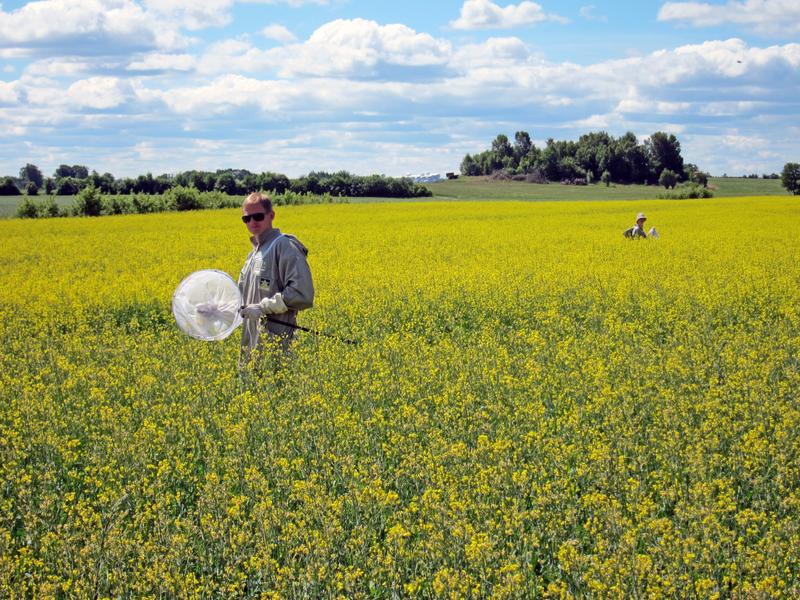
point(91, 202)
point(763, 176)
point(790, 177)
point(70, 180)
point(596, 156)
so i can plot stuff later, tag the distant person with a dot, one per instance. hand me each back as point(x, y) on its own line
point(637, 231)
point(275, 281)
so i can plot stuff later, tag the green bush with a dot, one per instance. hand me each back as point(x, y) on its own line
point(50, 208)
point(118, 205)
point(668, 178)
point(290, 198)
point(89, 202)
point(217, 199)
point(28, 209)
point(92, 202)
point(147, 203)
point(183, 198)
point(686, 192)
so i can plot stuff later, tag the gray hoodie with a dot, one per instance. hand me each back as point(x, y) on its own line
point(277, 263)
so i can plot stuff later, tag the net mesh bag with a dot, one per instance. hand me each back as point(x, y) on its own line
point(206, 305)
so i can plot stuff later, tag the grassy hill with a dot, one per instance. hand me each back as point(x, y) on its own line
point(482, 188)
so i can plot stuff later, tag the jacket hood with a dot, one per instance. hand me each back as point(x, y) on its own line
point(297, 243)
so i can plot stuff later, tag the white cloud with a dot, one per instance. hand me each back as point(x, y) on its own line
point(765, 16)
point(233, 56)
point(730, 109)
point(12, 130)
point(729, 60)
point(97, 92)
point(193, 14)
point(639, 105)
point(593, 122)
point(8, 93)
point(58, 67)
point(147, 151)
point(589, 13)
point(223, 94)
point(293, 3)
point(484, 14)
point(85, 26)
point(744, 142)
point(279, 33)
point(369, 94)
point(359, 48)
point(493, 53)
point(157, 61)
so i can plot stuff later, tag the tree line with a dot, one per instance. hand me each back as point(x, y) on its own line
point(596, 156)
point(69, 180)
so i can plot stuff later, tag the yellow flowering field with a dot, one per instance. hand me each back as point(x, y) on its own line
point(536, 408)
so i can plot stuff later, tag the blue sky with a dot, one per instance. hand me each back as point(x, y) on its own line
point(131, 86)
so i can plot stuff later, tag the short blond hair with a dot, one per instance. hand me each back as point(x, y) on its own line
point(259, 198)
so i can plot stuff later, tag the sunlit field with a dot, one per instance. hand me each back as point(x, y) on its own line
point(537, 407)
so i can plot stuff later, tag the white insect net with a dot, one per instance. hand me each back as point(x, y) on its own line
point(206, 305)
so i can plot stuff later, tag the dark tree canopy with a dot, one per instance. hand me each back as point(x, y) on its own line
point(71, 180)
point(8, 188)
point(790, 177)
point(623, 159)
point(664, 152)
point(31, 173)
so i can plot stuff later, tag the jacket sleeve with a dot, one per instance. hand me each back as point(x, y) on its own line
point(298, 289)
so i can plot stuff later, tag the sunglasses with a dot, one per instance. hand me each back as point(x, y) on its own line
point(257, 217)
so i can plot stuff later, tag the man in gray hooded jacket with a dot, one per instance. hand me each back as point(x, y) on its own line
point(275, 281)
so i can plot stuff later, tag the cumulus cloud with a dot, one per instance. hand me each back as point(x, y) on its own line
point(484, 14)
point(224, 94)
point(358, 78)
point(745, 142)
point(279, 33)
point(193, 14)
point(293, 3)
point(327, 99)
point(589, 13)
point(650, 106)
point(773, 17)
point(659, 89)
point(360, 48)
point(8, 93)
point(706, 65)
point(85, 27)
point(97, 92)
point(59, 67)
point(496, 52)
point(233, 56)
point(157, 61)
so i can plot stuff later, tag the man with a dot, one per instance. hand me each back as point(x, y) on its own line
point(637, 231)
point(275, 281)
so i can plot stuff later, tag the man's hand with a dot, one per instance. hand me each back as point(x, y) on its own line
point(268, 306)
point(274, 305)
point(251, 311)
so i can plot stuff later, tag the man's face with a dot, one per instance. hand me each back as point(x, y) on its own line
point(256, 211)
point(640, 223)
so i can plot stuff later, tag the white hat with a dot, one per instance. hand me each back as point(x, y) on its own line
point(640, 216)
